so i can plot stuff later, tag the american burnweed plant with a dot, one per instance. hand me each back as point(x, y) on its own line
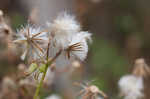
point(63, 40)
point(42, 46)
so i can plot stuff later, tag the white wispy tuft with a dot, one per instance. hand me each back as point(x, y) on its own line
point(66, 34)
point(78, 46)
point(63, 28)
point(32, 39)
point(131, 87)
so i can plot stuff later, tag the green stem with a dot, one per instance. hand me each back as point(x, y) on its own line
point(44, 74)
point(40, 83)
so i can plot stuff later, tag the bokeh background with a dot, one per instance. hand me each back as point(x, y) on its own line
point(120, 28)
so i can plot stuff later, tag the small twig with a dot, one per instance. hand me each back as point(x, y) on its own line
point(39, 33)
point(37, 46)
point(47, 53)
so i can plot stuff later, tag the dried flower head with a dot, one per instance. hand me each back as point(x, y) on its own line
point(91, 92)
point(131, 87)
point(32, 39)
point(141, 68)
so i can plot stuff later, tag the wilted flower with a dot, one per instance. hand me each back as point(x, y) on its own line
point(91, 92)
point(131, 87)
point(31, 38)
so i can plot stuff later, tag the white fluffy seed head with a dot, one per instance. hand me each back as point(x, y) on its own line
point(66, 35)
point(80, 51)
point(32, 39)
point(63, 28)
point(131, 87)
point(22, 33)
point(65, 24)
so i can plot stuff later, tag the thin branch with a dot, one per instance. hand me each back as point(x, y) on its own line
point(37, 46)
point(39, 33)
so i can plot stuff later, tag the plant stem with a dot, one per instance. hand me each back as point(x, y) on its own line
point(40, 83)
point(44, 74)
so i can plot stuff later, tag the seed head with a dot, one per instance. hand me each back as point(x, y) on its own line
point(131, 87)
point(32, 40)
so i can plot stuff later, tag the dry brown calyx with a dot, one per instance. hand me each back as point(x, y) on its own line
point(141, 69)
point(90, 91)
